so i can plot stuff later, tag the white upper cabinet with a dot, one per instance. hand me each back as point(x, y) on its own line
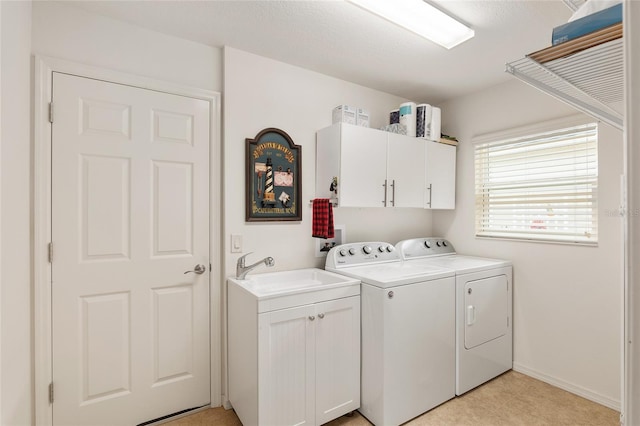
point(440, 176)
point(359, 159)
point(405, 171)
point(381, 169)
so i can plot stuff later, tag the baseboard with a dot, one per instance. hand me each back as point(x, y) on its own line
point(569, 387)
point(226, 404)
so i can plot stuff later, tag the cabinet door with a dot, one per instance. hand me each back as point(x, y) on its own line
point(405, 171)
point(440, 171)
point(286, 367)
point(363, 167)
point(337, 358)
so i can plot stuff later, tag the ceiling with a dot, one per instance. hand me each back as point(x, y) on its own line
point(341, 40)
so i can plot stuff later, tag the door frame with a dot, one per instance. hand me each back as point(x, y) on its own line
point(42, 225)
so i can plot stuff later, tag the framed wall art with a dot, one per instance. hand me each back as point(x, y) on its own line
point(273, 177)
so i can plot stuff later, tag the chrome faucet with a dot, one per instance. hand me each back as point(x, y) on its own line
point(242, 270)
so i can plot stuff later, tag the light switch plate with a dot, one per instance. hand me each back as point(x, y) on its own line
point(236, 243)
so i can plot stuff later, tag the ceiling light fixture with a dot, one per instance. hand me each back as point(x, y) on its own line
point(421, 18)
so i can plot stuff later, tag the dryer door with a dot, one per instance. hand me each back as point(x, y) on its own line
point(486, 310)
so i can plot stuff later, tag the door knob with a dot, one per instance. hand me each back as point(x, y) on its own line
point(199, 269)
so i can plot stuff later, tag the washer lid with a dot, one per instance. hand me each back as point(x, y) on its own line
point(461, 264)
point(392, 274)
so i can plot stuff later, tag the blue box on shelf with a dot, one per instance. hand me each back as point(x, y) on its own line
point(588, 24)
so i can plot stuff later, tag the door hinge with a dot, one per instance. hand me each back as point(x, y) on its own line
point(50, 112)
point(51, 393)
point(50, 250)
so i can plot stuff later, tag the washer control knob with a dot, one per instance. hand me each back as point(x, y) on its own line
point(366, 249)
point(444, 244)
point(352, 251)
point(342, 252)
point(427, 244)
point(381, 249)
point(438, 243)
point(390, 248)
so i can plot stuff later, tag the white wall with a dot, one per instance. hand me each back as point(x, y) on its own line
point(67, 32)
point(16, 391)
point(261, 93)
point(567, 299)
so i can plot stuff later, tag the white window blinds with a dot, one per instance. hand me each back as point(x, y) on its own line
point(539, 187)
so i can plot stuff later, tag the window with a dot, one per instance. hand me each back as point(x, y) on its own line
point(542, 186)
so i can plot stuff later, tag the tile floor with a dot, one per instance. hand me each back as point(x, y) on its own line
point(512, 399)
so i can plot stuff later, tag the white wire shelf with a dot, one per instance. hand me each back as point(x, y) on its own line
point(591, 80)
point(573, 4)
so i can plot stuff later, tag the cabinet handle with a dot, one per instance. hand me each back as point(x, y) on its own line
point(320, 316)
point(384, 185)
point(311, 317)
point(393, 193)
point(430, 188)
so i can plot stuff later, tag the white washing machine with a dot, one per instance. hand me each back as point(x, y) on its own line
point(408, 331)
point(484, 289)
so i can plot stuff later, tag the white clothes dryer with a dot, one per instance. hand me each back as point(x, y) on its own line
point(484, 292)
point(408, 331)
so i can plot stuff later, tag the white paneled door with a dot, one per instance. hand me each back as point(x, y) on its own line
point(130, 218)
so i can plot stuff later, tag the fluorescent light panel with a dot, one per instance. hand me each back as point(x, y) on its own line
point(421, 18)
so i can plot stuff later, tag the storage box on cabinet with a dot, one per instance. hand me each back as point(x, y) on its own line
point(298, 363)
point(374, 168)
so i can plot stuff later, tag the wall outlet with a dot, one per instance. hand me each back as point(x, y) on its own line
point(236, 243)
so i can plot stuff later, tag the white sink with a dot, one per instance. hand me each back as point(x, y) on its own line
point(290, 282)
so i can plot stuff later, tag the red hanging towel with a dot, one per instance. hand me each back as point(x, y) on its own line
point(322, 221)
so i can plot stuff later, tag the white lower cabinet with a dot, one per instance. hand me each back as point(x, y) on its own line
point(307, 359)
